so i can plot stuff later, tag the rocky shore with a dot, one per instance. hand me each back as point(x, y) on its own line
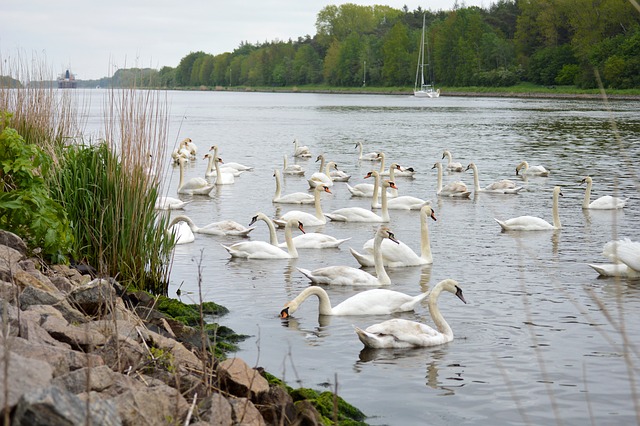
point(82, 350)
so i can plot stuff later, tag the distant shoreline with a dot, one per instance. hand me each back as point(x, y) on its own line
point(533, 95)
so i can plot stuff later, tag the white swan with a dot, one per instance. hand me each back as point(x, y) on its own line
point(626, 255)
point(532, 223)
point(456, 189)
point(403, 202)
point(346, 275)
point(222, 177)
point(504, 186)
point(402, 333)
point(359, 214)
point(451, 165)
point(223, 227)
point(366, 189)
point(232, 165)
point(336, 175)
point(190, 146)
point(370, 156)
point(265, 250)
point(170, 203)
point(308, 240)
point(394, 169)
point(307, 218)
point(300, 151)
point(292, 169)
point(377, 301)
point(181, 230)
point(323, 178)
point(531, 170)
point(401, 255)
point(293, 198)
point(195, 185)
point(212, 171)
point(606, 202)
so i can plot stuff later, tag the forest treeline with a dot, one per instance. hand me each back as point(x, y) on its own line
point(546, 42)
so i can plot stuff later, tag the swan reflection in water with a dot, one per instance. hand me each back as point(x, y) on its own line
point(411, 359)
point(313, 336)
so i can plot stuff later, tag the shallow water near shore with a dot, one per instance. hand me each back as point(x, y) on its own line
point(532, 345)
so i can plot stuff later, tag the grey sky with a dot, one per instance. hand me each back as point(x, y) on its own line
point(94, 40)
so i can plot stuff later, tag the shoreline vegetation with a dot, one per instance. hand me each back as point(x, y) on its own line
point(68, 204)
point(520, 91)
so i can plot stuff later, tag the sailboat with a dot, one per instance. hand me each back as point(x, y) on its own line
point(425, 90)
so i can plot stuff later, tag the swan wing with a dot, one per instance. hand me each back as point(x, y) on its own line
point(340, 275)
point(525, 223)
point(400, 333)
point(354, 214)
point(607, 202)
point(183, 233)
point(361, 190)
point(394, 255)
point(295, 198)
point(256, 250)
point(315, 240)
point(170, 203)
point(624, 251)
point(406, 202)
point(306, 218)
point(614, 270)
point(377, 301)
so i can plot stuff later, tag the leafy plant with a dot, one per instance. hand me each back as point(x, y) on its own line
point(26, 207)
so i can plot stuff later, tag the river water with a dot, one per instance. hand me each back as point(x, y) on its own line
point(542, 338)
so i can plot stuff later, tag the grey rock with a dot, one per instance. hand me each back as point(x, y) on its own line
point(94, 298)
point(23, 375)
point(52, 406)
point(241, 380)
point(245, 413)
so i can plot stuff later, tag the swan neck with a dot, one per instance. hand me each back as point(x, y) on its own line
point(476, 179)
point(360, 148)
point(278, 185)
point(587, 195)
point(381, 273)
point(325, 303)
point(439, 321)
point(186, 219)
point(439, 167)
point(556, 214)
point(317, 202)
point(376, 188)
point(293, 252)
point(273, 237)
point(381, 162)
point(209, 164)
point(322, 165)
point(425, 243)
point(218, 171)
point(181, 175)
point(385, 209)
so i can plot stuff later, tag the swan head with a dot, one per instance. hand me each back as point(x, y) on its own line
point(284, 313)
point(390, 184)
point(372, 173)
point(470, 166)
point(385, 232)
point(319, 157)
point(452, 287)
point(586, 180)
point(323, 188)
point(301, 227)
point(429, 212)
point(520, 166)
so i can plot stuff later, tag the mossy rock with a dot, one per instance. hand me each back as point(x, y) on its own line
point(188, 314)
point(348, 415)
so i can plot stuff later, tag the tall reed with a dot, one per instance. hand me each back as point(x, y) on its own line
point(108, 188)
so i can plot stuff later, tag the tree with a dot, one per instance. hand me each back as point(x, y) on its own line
point(183, 71)
point(397, 69)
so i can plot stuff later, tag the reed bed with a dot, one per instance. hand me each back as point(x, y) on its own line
point(108, 188)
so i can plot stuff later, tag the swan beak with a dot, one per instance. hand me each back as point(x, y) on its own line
point(326, 189)
point(368, 175)
point(393, 238)
point(253, 220)
point(459, 294)
point(220, 160)
point(560, 193)
point(517, 172)
point(301, 228)
point(433, 215)
point(393, 185)
point(434, 166)
point(284, 313)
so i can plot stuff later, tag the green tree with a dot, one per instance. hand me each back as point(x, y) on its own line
point(397, 69)
point(184, 69)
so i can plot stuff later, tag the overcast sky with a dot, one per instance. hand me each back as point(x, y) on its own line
point(95, 40)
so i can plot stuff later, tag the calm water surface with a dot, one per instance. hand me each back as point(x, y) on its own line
point(532, 346)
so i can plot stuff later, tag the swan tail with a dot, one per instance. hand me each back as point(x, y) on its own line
point(502, 224)
point(243, 233)
point(335, 217)
point(362, 259)
point(307, 273)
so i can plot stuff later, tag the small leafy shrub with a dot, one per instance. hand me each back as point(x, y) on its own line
point(26, 207)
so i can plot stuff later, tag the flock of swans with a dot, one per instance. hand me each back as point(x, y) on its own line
point(381, 252)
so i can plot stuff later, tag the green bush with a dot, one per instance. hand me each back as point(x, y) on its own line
point(26, 207)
